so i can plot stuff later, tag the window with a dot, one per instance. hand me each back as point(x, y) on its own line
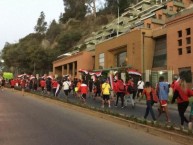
point(188, 40)
point(160, 60)
point(180, 51)
point(159, 17)
point(186, 73)
point(188, 49)
point(188, 31)
point(101, 60)
point(180, 42)
point(121, 59)
point(171, 8)
point(148, 25)
point(179, 33)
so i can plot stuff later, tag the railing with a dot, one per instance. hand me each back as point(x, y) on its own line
point(182, 13)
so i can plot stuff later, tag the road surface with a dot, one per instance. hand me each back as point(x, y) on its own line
point(27, 120)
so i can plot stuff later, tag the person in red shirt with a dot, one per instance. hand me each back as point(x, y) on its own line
point(182, 94)
point(115, 90)
point(54, 86)
point(120, 92)
point(175, 83)
point(148, 91)
point(23, 85)
point(43, 85)
point(131, 92)
point(12, 83)
point(83, 88)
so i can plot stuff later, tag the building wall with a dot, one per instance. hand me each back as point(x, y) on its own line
point(82, 60)
point(171, 4)
point(132, 43)
point(153, 25)
point(176, 61)
point(160, 12)
point(187, 2)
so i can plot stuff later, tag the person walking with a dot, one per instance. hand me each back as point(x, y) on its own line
point(12, 83)
point(83, 90)
point(120, 92)
point(106, 93)
point(149, 92)
point(2, 83)
point(66, 87)
point(43, 85)
point(162, 91)
point(131, 91)
point(97, 86)
point(48, 85)
point(90, 85)
point(182, 94)
point(191, 118)
point(23, 85)
point(115, 90)
point(140, 86)
point(54, 86)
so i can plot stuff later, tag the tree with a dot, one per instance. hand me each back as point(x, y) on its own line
point(53, 31)
point(68, 40)
point(41, 25)
point(74, 9)
point(112, 6)
point(92, 5)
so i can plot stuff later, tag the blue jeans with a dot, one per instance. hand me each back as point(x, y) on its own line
point(149, 109)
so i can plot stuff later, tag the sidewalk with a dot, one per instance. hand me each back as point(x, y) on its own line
point(137, 112)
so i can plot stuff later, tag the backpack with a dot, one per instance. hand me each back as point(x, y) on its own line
point(130, 89)
point(121, 86)
point(154, 97)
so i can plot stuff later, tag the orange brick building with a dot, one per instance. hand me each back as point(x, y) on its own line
point(180, 42)
point(126, 50)
point(72, 64)
point(155, 43)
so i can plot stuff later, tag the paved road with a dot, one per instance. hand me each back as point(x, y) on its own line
point(26, 120)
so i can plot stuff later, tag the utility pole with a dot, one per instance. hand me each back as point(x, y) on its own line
point(118, 18)
point(143, 53)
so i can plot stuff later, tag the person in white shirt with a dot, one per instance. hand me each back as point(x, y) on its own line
point(66, 87)
point(140, 87)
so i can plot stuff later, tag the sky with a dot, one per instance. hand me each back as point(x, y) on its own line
point(19, 17)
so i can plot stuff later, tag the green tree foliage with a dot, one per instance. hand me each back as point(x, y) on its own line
point(74, 9)
point(27, 53)
point(91, 6)
point(68, 40)
point(53, 31)
point(30, 55)
point(41, 25)
point(112, 6)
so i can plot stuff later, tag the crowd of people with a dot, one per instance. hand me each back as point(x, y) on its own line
point(110, 91)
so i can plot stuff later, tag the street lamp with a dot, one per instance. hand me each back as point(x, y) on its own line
point(143, 53)
point(1, 64)
point(2, 61)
